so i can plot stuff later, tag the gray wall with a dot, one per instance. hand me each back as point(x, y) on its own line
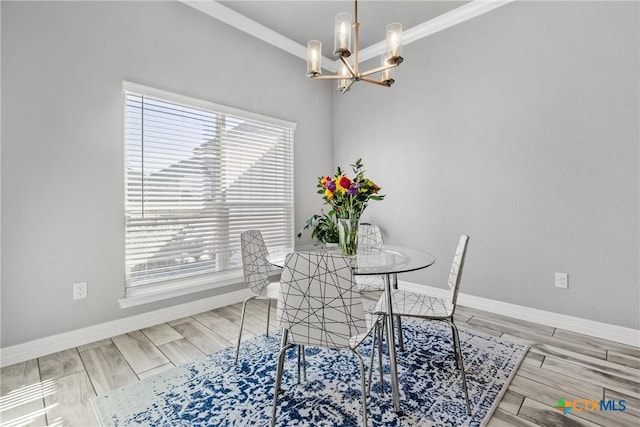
point(520, 128)
point(62, 140)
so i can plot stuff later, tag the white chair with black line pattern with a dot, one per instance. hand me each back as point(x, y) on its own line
point(256, 269)
point(369, 241)
point(424, 306)
point(319, 304)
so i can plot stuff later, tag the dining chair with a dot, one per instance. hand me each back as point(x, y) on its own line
point(319, 305)
point(256, 269)
point(424, 306)
point(370, 241)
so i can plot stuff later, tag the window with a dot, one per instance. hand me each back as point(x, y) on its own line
point(197, 175)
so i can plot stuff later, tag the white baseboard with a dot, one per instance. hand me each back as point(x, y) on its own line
point(52, 344)
point(41, 347)
point(574, 324)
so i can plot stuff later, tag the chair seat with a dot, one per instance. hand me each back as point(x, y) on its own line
point(406, 303)
point(270, 291)
point(370, 283)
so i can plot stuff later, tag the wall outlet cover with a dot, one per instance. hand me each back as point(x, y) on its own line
point(562, 280)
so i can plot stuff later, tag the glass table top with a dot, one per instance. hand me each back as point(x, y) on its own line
point(387, 260)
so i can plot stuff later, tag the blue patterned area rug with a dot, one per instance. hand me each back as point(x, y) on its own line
point(213, 392)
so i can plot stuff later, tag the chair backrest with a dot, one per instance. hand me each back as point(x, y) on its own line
point(369, 238)
point(255, 265)
point(455, 275)
point(318, 301)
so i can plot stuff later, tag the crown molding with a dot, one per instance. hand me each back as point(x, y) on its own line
point(437, 24)
point(253, 28)
point(230, 17)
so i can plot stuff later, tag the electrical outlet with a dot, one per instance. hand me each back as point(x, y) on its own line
point(562, 280)
point(80, 290)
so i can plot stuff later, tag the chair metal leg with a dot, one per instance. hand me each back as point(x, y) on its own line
point(268, 315)
point(279, 368)
point(299, 359)
point(380, 334)
point(363, 388)
point(244, 308)
point(302, 361)
point(373, 347)
point(455, 346)
point(304, 364)
point(376, 338)
point(456, 338)
point(400, 337)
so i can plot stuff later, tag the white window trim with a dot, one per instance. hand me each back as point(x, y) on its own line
point(170, 96)
point(180, 287)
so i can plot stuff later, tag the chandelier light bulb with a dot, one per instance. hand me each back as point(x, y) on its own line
point(314, 58)
point(344, 82)
point(394, 42)
point(342, 39)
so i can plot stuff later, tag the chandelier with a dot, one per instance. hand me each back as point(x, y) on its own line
point(342, 48)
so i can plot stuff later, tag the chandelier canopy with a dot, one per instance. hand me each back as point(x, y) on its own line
point(351, 73)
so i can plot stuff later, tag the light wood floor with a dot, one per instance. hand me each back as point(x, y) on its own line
point(55, 389)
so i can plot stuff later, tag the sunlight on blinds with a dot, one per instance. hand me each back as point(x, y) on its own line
point(195, 179)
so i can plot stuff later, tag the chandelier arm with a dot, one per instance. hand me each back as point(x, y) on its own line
point(346, 88)
point(351, 70)
point(377, 70)
point(329, 77)
point(377, 82)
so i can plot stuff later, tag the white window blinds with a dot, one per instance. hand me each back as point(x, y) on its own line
point(197, 175)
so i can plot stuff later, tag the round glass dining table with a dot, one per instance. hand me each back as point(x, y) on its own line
point(388, 262)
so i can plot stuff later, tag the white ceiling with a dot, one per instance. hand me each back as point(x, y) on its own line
point(288, 25)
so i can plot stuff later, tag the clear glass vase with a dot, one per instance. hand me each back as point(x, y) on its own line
point(348, 233)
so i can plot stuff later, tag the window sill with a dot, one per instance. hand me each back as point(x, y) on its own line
point(178, 288)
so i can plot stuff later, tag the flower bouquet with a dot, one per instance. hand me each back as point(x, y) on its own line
point(348, 198)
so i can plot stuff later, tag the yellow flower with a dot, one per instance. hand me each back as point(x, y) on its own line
point(342, 183)
point(328, 194)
